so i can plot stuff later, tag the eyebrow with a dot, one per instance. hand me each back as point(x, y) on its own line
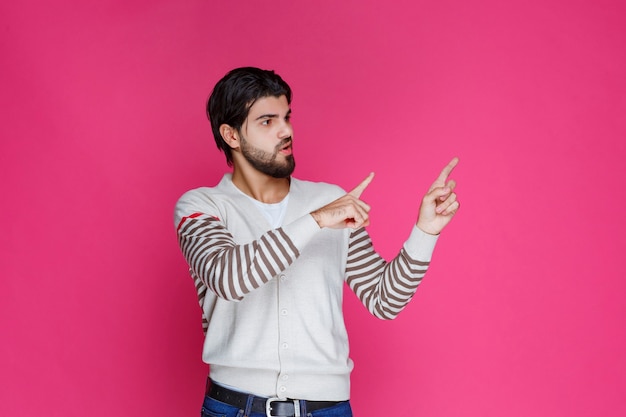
point(271, 116)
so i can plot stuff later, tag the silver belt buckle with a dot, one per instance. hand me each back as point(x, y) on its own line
point(268, 406)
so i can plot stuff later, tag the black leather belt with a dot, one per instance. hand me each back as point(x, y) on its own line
point(269, 406)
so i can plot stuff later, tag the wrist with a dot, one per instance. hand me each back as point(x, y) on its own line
point(317, 217)
point(427, 230)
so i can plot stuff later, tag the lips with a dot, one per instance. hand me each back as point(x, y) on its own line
point(286, 149)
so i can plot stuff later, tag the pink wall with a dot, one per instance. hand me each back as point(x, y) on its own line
point(523, 312)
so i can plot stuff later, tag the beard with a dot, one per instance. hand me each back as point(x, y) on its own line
point(267, 162)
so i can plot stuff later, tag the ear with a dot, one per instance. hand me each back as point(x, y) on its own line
point(230, 135)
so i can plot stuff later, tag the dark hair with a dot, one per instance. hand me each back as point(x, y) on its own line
point(234, 95)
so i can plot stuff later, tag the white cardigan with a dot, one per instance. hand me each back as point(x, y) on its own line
point(272, 299)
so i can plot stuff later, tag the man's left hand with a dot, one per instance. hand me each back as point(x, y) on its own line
point(440, 203)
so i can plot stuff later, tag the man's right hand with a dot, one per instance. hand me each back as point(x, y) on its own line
point(347, 211)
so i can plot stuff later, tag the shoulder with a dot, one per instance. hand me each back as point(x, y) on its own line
point(310, 188)
point(205, 194)
point(310, 195)
point(205, 200)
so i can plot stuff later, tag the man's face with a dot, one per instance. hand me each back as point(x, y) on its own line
point(266, 137)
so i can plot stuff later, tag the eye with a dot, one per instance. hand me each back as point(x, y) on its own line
point(266, 122)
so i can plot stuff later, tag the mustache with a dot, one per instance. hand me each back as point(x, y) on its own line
point(284, 142)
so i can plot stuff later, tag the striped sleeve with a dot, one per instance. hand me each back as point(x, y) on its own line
point(227, 269)
point(385, 288)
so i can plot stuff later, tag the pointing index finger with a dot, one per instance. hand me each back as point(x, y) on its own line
point(358, 190)
point(447, 170)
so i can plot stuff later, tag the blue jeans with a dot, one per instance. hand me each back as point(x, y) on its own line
point(214, 408)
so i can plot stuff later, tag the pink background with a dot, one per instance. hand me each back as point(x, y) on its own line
point(523, 311)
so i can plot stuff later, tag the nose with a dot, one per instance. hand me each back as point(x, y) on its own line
point(286, 130)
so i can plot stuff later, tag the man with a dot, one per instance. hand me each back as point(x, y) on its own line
point(270, 254)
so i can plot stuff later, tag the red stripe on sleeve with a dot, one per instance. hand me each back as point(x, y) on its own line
point(193, 216)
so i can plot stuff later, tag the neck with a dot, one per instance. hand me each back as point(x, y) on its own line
point(259, 186)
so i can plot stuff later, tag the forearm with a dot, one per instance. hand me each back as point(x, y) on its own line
point(386, 288)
